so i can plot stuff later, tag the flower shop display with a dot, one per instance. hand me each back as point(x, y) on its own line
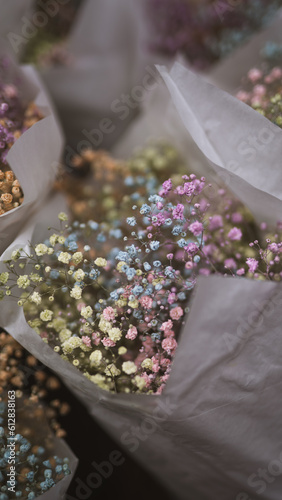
point(28, 166)
point(262, 46)
point(224, 366)
point(204, 31)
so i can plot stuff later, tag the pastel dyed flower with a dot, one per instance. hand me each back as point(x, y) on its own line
point(109, 313)
point(64, 257)
point(129, 367)
point(86, 312)
point(132, 333)
point(196, 228)
point(41, 249)
point(146, 302)
point(235, 234)
point(252, 264)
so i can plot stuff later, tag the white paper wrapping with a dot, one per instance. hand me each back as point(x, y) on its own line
point(106, 44)
point(216, 427)
point(33, 157)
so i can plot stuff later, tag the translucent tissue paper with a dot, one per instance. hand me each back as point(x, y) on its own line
point(58, 491)
point(218, 419)
point(33, 157)
point(32, 431)
point(106, 62)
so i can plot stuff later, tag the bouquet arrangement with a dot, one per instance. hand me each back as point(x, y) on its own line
point(153, 298)
point(29, 462)
point(204, 31)
point(86, 72)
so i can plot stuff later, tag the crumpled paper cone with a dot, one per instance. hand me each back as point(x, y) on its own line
point(33, 157)
point(105, 44)
point(11, 16)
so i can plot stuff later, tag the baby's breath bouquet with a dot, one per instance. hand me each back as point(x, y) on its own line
point(27, 170)
point(166, 321)
point(112, 302)
point(205, 31)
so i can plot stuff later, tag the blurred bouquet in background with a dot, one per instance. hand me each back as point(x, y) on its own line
point(131, 297)
point(32, 459)
point(205, 31)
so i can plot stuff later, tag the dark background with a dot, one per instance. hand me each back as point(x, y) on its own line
point(89, 442)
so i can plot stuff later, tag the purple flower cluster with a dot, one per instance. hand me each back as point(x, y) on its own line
point(205, 30)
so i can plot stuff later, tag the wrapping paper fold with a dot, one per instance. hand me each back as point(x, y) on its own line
point(219, 417)
point(58, 491)
point(33, 157)
point(11, 17)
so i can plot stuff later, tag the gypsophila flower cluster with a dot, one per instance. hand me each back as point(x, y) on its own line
point(204, 31)
point(14, 120)
point(262, 90)
point(28, 466)
point(112, 300)
point(48, 46)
